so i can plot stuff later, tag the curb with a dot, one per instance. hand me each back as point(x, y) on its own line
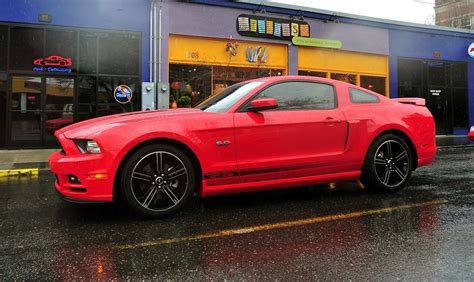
point(19, 172)
point(455, 147)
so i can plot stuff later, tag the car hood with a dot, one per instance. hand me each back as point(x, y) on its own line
point(93, 127)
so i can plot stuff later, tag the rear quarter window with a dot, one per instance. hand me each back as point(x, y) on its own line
point(361, 97)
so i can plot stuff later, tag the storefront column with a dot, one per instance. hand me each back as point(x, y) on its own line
point(163, 94)
point(292, 59)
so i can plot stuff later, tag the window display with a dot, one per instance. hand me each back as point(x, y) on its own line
point(190, 84)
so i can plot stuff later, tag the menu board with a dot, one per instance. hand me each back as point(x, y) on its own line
point(271, 28)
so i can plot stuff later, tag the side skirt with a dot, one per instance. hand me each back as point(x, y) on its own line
point(276, 183)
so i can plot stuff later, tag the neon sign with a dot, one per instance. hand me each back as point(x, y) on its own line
point(123, 94)
point(53, 64)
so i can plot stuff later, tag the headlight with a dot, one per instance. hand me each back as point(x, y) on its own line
point(472, 128)
point(87, 146)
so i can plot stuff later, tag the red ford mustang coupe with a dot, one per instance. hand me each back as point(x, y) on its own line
point(261, 134)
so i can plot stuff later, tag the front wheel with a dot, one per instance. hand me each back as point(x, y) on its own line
point(388, 164)
point(157, 181)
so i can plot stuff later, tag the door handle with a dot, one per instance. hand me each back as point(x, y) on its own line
point(331, 120)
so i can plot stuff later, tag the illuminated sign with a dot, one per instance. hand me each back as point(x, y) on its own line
point(53, 64)
point(316, 42)
point(123, 94)
point(271, 28)
point(470, 50)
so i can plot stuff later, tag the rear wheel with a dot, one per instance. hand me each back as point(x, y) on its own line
point(157, 181)
point(388, 164)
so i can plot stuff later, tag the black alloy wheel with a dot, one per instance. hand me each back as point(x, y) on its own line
point(388, 164)
point(157, 181)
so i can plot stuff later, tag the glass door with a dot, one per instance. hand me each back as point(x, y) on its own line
point(58, 109)
point(25, 111)
point(38, 107)
point(437, 74)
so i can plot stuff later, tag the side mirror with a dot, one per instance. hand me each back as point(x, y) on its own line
point(263, 104)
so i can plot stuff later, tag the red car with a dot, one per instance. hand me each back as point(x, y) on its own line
point(55, 61)
point(470, 134)
point(261, 134)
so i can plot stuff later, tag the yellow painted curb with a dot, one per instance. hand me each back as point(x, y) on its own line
point(19, 172)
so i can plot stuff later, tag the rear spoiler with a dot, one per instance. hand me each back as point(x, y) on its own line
point(413, 101)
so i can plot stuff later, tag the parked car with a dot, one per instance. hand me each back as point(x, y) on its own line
point(470, 134)
point(262, 134)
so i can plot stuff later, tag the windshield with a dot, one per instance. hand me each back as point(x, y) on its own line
point(223, 101)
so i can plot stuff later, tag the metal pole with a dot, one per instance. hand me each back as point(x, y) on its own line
point(159, 47)
point(151, 43)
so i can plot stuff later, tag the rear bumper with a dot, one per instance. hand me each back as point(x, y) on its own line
point(426, 155)
point(96, 183)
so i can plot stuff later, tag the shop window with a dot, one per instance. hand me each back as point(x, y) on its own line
point(460, 107)
point(88, 52)
point(373, 83)
point(349, 78)
point(226, 76)
point(301, 95)
point(105, 95)
point(26, 93)
point(459, 75)
point(410, 73)
point(60, 94)
point(411, 92)
point(312, 73)
point(3, 47)
point(358, 96)
point(189, 84)
point(437, 73)
point(62, 44)
point(86, 89)
point(26, 45)
point(119, 53)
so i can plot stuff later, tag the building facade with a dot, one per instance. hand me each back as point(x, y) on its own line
point(455, 13)
point(59, 66)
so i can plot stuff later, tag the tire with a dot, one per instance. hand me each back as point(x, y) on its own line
point(151, 191)
point(388, 165)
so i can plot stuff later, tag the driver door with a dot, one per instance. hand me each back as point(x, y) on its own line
point(304, 136)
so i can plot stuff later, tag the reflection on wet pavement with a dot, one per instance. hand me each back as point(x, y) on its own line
point(45, 238)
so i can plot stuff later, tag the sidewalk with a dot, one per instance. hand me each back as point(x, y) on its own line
point(28, 162)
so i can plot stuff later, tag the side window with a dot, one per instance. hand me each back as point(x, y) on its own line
point(362, 97)
point(301, 95)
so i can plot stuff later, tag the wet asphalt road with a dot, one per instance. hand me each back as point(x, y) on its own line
point(426, 231)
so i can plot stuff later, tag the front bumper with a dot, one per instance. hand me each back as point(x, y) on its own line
point(96, 182)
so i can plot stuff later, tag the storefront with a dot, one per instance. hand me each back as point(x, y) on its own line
point(366, 70)
point(53, 76)
point(435, 65)
point(200, 67)
point(60, 65)
point(93, 58)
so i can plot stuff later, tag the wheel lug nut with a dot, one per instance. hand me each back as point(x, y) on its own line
point(153, 183)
